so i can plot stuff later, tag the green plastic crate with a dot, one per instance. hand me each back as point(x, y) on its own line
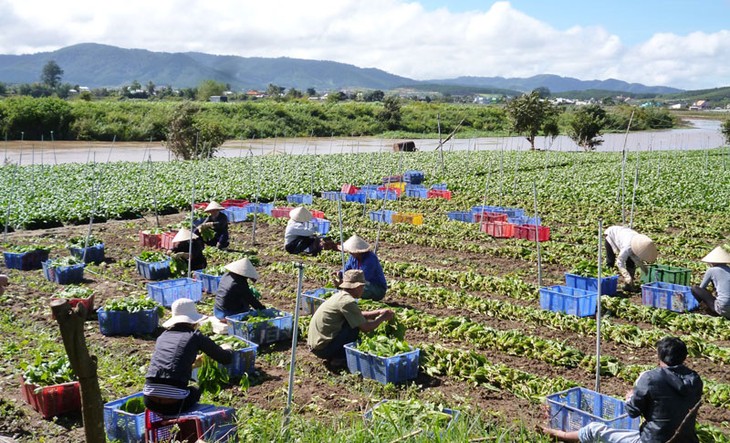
point(667, 274)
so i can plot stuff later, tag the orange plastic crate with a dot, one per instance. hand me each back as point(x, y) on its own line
point(498, 229)
point(166, 239)
point(149, 240)
point(413, 218)
point(53, 400)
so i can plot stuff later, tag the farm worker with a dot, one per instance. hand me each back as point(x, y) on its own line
point(361, 257)
point(166, 389)
point(339, 320)
point(628, 249)
point(667, 397)
point(181, 249)
point(300, 238)
point(719, 275)
point(4, 282)
point(218, 222)
point(234, 296)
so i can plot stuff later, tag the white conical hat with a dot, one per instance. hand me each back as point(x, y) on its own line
point(183, 235)
point(644, 248)
point(213, 206)
point(300, 214)
point(718, 255)
point(183, 311)
point(243, 267)
point(355, 245)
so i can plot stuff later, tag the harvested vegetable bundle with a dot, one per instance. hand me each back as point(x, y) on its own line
point(134, 405)
point(80, 242)
point(585, 268)
point(22, 249)
point(133, 304)
point(383, 346)
point(152, 256)
point(74, 291)
point(47, 373)
point(212, 377)
point(417, 415)
point(65, 261)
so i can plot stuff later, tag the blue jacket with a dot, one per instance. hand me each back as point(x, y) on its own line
point(370, 266)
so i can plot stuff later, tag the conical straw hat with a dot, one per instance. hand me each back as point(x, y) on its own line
point(644, 248)
point(300, 214)
point(183, 235)
point(213, 206)
point(718, 255)
point(244, 268)
point(355, 245)
point(183, 311)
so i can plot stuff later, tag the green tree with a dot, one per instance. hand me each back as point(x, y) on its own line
point(274, 91)
point(311, 92)
point(586, 126)
point(293, 93)
point(192, 137)
point(51, 74)
point(530, 115)
point(150, 88)
point(542, 91)
point(390, 115)
point(208, 88)
point(374, 96)
point(725, 128)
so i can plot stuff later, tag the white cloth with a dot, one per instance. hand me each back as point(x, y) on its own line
point(164, 391)
point(297, 229)
point(619, 237)
point(596, 432)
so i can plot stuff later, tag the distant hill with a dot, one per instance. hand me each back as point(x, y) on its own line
point(95, 65)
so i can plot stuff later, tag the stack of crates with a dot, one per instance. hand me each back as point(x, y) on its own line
point(202, 423)
point(349, 189)
point(416, 191)
point(498, 229)
point(479, 217)
point(264, 208)
point(462, 216)
point(320, 225)
point(527, 232)
point(667, 287)
point(413, 177)
point(436, 193)
point(609, 284)
point(667, 274)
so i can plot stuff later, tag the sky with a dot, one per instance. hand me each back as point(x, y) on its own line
point(679, 43)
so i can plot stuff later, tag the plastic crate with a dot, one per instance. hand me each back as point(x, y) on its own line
point(384, 215)
point(527, 232)
point(167, 291)
point(439, 187)
point(281, 212)
point(264, 208)
point(498, 229)
point(127, 323)
point(236, 214)
point(392, 179)
point(462, 216)
point(320, 225)
point(210, 282)
point(390, 194)
point(88, 303)
point(489, 217)
point(53, 400)
point(311, 300)
point(574, 408)
point(333, 195)
point(63, 275)
point(349, 189)
point(316, 213)
point(123, 426)
point(413, 177)
point(369, 188)
point(244, 360)
point(358, 197)
point(395, 369)
point(417, 193)
point(94, 254)
point(166, 238)
point(237, 203)
point(202, 423)
point(149, 240)
point(568, 300)
point(201, 205)
point(413, 218)
point(299, 199)
point(487, 208)
point(155, 270)
point(609, 285)
point(25, 261)
point(667, 274)
point(677, 298)
point(434, 193)
point(368, 416)
point(277, 329)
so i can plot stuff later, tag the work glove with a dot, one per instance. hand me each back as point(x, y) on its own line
point(181, 255)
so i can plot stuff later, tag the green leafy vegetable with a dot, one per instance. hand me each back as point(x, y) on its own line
point(134, 405)
point(80, 242)
point(22, 249)
point(152, 256)
point(65, 261)
point(74, 291)
point(383, 346)
point(47, 373)
point(133, 304)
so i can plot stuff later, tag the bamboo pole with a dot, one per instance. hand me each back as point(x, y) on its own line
point(636, 185)
point(192, 215)
point(339, 216)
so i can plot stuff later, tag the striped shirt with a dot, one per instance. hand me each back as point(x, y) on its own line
point(164, 391)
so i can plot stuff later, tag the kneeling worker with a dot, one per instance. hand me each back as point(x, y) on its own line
point(299, 238)
point(218, 222)
point(719, 275)
point(363, 258)
point(339, 320)
point(234, 295)
point(628, 249)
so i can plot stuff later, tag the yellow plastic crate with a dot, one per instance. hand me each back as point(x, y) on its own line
point(401, 186)
point(413, 218)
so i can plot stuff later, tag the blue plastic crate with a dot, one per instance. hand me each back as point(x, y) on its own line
point(370, 194)
point(677, 298)
point(369, 187)
point(368, 416)
point(63, 275)
point(94, 254)
point(210, 282)
point(386, 195)
point(439, 187)
point(155, 270)
point(333, 195)
point(531, 221)
point(218, 424)
point(311, 300)
point(300, 199)
point(414, 177)
point(395, 369)
point(277, 329)
point(236, 214)
point(25, 261)
point(576, 407)
point(320, 225)
point(123, 426)
point(417, 193)
point(358, 197)
point(609, 285)
point(167, 291)
point(384, 215)
point(127, 323)
point(264, 208)
point(462, 216)
point(568, 300)
point(480, 209)
point(244, 360)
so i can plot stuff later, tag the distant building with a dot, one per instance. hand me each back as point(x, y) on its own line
point(676, 106)
point(218, 98)
point(700, 105)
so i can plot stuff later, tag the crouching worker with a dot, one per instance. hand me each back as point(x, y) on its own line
point(218, 222)
point(300, 238)
point(166, 389)
point(234, 295)
point(339, 320)
point(667, 397)
point(181, 249)
point(364, 259)
point(4, 282)
point(719, 275)
point(628, 249)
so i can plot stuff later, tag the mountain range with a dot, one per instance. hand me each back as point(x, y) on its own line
point(95, 66)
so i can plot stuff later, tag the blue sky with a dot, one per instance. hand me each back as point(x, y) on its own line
point(683, 44)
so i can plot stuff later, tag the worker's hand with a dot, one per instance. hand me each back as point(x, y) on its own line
point(181, 255)
point(207, 225)
point(336, 279)
point(198, 361)
point(629, 394)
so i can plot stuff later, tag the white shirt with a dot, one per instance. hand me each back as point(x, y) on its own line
point(297, 229)
point(619, 238)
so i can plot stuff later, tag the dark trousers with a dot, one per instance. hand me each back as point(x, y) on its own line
point(703, 295)
point(304, 244)
point(335, 348)
point(611, 260)
point(175, 407)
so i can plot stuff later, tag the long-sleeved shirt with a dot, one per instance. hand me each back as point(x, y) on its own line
point(198, 259)
point(234, 296)
point(220, 227)
point(370, 266)
point(297, 229)
point(720, 277)
point(619, 237)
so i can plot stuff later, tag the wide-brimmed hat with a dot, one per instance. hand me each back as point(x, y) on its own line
point(353, 278)
point(213, 206)
point(718, 255)
point(644, 248)
point(244, 268)
point(300, 214)
point(183, 235)
point(355, 245)
point(184, 311)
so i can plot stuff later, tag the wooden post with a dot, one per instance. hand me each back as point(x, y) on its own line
point(71, 323)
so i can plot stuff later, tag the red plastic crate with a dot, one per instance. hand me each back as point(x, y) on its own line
point(316, 213)
point(489, 217)
point(149, 240)
point(54, 400)
point(434, 193)
point(233, 202)
point(201, 205)
point(498, 229)
point(394, 189)
point(349, 189)
point(282, 212)
point(88, 303)
point(527, 232)
point(166, 239)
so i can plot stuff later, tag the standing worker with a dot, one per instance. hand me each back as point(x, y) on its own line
point(218, 222)
point(628, 249)
point(234, 295)
point(181, 249)
point(364, 259)
point(719, 275)
point(300, 238)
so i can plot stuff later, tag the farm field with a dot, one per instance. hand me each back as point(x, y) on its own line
point(469, 301)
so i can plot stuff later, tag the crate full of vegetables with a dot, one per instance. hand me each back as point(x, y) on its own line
point(64, 271)
point(576, 407)
point(244, 354)
point(381, 358)
point(210, 278)
point(429, 417)
point(150, 238)
point(568, 300)
point(236, 214)
point(50, 388)
point(76, 295)
point(165, 292)
point(667, 274)
point(124, 419)
point(677, 298)
point(129, 316)
point(261, 326)
point(25, 258)
point(311, 300)
point(153, 265)
point(89, 250)
point(583, 276)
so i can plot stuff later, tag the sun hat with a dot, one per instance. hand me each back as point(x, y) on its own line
point(718, 255)
point(244, 268)
point(353, 278)
point(213, 206)
point(183, 235)
point(355, 245)
point(184, 311)
point(644, 248)
point(300, 214)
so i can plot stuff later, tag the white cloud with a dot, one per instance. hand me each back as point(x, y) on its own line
point(397, 36)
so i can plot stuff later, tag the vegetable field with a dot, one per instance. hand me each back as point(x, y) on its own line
point(469, 301)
